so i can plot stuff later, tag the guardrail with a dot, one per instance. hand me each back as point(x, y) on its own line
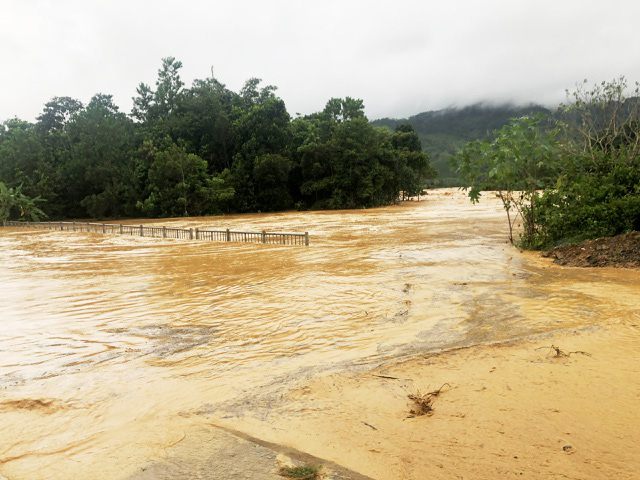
point(273, 238)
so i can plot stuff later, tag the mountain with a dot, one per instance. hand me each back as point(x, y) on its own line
point(444, 132)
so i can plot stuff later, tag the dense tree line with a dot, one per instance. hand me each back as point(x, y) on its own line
point(205, 150)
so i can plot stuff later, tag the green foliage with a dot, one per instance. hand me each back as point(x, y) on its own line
point(591, 206)
point(272, 191)
point(98, 160)
point(23, 158)
point(574, 177)
point(179, 184)
point(520, 161)
point(15, 205)
point(205, 150)
point(305, 472)
point(597, 192)
point(413, 164)
point(347, 163)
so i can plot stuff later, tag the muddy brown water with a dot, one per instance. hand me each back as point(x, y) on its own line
point(111, 346)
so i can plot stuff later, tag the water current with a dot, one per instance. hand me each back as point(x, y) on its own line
point(108, 343)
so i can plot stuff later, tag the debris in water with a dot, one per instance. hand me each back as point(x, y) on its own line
point(424, 402)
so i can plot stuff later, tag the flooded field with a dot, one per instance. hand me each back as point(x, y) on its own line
point(112, 349)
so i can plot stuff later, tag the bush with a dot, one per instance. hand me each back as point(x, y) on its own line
point(591, 206)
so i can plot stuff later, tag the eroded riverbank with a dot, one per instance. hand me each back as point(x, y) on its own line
point(114, 350)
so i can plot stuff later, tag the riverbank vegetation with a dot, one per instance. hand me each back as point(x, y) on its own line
point(205, 150)
point(567, 177)
point(15, 204)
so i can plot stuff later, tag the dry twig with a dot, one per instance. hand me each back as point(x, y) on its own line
point(558, 353)
point(423, 402)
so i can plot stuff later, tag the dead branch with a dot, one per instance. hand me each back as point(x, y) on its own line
point(556, 352)
point(423, 402)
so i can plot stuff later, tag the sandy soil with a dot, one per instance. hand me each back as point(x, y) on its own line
point(512, 410)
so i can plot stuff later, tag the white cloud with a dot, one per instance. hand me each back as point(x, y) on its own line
point(401, 57)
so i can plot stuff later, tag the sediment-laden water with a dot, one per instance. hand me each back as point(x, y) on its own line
point(111, 345)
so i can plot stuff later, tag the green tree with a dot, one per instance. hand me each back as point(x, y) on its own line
point(205, 149)
point(21, 154)
point(57, 113)
point(262, 128)
point(597, 191)
point(97, 174)
point(14, 204)
point(600, 125)
point(179, 184)
point(168, 87)
point(519, 162)
point(271, 173)
point(413, 165)
point(352, 166)
point(203, 120)
point(143, 103)
point(344, 109)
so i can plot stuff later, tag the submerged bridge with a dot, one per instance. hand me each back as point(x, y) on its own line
point(273, 238)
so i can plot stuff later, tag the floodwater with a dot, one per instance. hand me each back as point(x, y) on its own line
point(111, 346)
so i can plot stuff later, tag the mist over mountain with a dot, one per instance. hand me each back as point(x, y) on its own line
point(444, 132)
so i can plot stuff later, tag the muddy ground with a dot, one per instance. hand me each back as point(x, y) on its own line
point(128, 357)
point(619, 251)
point(512, 410)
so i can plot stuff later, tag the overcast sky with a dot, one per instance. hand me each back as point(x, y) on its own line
point(400, 57)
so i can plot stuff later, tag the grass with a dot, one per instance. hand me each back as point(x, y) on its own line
point(305, 472)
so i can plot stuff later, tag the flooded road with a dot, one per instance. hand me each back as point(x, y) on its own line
point(110, 346)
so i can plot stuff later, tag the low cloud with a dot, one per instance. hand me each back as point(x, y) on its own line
point(401, 57)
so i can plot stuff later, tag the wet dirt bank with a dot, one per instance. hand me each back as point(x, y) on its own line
point(618, 251)
point(115, 352)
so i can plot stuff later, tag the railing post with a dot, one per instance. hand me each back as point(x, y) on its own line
point(264, 236)
point(306, 238)
point(197, 234)
point(141, 231)
point(88, 229)
point(121, 229)
point(104, 228)
point(164, 232)
point(228, 235)
point(74, 226)
point(191, 234)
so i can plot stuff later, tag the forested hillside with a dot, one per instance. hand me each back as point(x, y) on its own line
point(444, 132)
point(201, 150)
